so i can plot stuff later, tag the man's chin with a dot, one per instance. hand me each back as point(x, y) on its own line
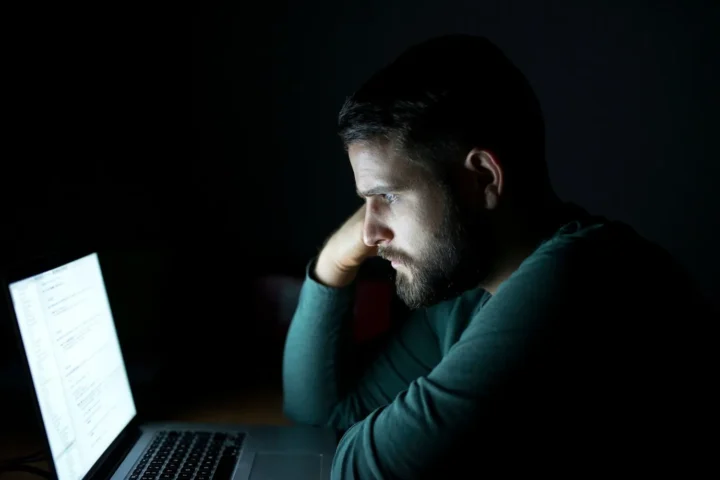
point(415, 300)
point(416, 293)
point(416, 296)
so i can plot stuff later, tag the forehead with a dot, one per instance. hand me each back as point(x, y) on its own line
point(375, 164)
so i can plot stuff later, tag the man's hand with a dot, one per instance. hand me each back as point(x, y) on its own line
point(344, 252)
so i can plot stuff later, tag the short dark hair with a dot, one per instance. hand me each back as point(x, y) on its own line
point(445, 96)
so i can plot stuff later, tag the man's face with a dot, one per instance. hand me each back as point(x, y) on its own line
point(437, 242)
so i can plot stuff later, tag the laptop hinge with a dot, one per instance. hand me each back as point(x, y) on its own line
point(115, 454)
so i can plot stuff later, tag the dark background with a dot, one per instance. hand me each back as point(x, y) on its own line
point(194, 189)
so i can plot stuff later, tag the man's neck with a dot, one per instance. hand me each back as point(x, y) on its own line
point(518, 235)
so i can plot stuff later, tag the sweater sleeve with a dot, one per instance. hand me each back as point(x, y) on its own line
point(427, 422)
point(320, 387)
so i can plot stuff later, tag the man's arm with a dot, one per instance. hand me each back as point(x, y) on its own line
point(429, 421)
point(319, 388)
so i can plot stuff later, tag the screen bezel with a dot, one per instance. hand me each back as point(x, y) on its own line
point(116, 451)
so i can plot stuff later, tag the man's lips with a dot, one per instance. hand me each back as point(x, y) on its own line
point(395, 261)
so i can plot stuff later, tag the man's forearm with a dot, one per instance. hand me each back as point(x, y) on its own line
point(318, 332)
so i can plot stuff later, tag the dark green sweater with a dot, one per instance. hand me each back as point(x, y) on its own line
point(573, 347)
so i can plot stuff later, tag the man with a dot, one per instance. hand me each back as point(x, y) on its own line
point(540, 336)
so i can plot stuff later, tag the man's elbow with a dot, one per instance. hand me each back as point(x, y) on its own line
point(305, 414)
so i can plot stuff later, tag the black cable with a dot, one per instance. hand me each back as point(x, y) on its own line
point(18, 464)
point(29, 458)
point(25, 468)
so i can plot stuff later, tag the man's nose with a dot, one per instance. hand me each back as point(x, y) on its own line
point(375, 233)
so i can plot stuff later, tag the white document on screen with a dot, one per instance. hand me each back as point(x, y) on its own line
point(75, 360)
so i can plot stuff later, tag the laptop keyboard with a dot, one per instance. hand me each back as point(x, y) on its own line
point(189, 455)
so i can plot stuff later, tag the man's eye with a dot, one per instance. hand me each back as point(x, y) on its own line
point(389, 197)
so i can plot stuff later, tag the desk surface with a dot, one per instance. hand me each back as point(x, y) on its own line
point(262, 405)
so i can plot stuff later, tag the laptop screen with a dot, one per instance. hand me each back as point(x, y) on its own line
point(75, 361)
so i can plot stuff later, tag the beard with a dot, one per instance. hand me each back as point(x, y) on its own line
point(457, 259)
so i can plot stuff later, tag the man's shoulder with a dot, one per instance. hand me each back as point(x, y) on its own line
point(593, 240)
point(607, 259)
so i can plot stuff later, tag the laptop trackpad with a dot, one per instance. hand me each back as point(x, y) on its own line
point(285, 466)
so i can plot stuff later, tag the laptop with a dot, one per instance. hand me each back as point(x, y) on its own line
point(68, 335)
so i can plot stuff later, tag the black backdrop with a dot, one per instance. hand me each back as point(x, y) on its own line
point(629, 92)
point(193, 188)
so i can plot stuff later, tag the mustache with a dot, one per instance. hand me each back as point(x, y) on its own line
point(391, 254)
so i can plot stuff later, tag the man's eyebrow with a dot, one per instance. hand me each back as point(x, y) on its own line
point(376, 191)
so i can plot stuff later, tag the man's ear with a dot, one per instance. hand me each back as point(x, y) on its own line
point(488, 174)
